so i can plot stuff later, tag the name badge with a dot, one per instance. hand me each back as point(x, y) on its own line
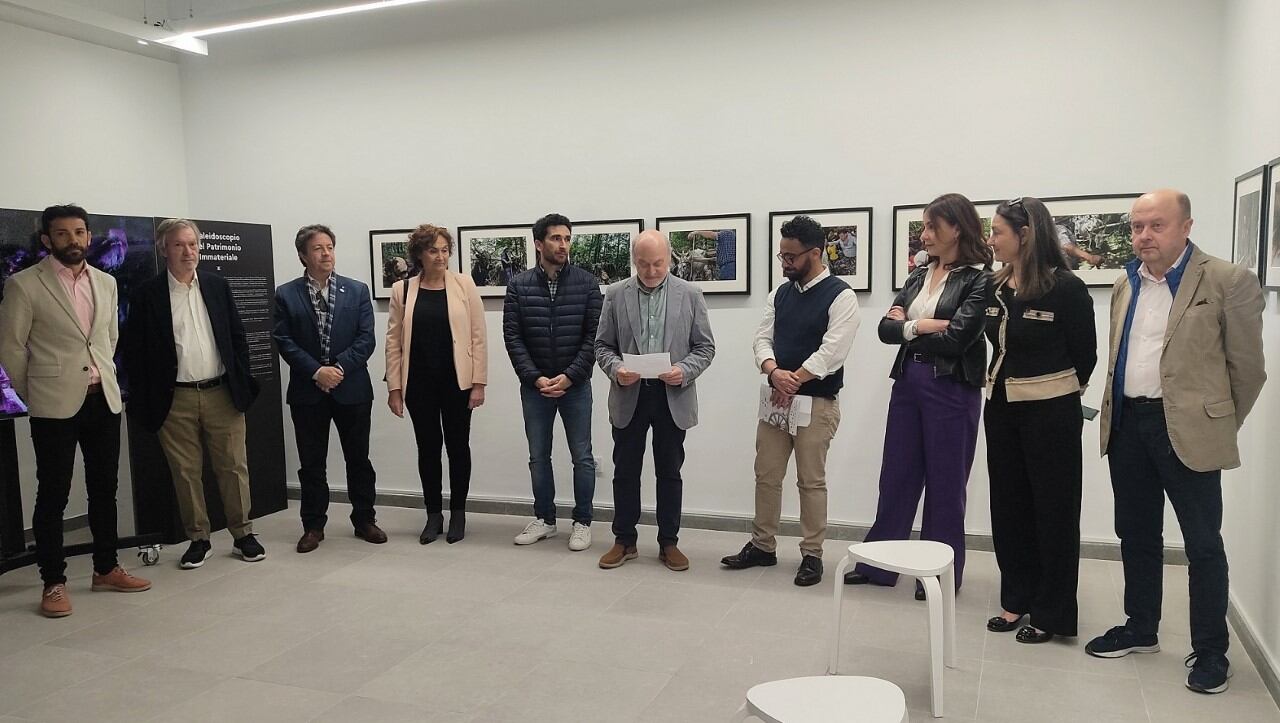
point(1037, 315)
point(993, 311)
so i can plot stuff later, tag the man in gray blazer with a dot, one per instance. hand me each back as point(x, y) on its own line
point(650, 313)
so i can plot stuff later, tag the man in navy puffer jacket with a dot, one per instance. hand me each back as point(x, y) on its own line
point(549, 323)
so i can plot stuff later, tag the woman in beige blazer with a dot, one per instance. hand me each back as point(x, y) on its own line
point(437, 368)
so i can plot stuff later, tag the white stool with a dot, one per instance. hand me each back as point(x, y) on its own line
point(824, 699)
point(928, 562)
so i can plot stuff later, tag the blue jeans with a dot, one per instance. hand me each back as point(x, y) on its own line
point(539, 425)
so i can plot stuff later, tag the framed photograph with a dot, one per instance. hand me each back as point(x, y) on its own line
point(1246, 236)
point(604, 248)
point(848, 243)
point(713, 252)
point(1094, 234)
point(908, 222)
point(494, 254)
point(1269, 268)
point(389, 259)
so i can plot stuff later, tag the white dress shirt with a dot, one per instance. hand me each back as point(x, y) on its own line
point(198, 358)
point(842, 325)
point(1146, 334)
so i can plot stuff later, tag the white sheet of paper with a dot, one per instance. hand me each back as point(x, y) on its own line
point(648, 366)
point(790, 418)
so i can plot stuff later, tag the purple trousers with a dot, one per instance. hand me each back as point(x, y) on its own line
point(929, 444)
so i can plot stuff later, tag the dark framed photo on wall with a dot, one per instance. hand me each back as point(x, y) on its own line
point(491, 255)
point(908, 224)
point(1094, 234)
point(604, 248)
point(389, 259)
point(847, 248)
point(1269, 266)
point(1247, 218)
point(711, 251)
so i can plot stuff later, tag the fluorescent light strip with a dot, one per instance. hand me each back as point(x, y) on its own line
point(313, 15)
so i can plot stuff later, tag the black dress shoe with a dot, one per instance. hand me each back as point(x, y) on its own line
point(919, 591)
point(752, 556)
point(1031, 636)
point(369, 532)
point(810, 572)
point(433, 528)
point(857, 578)
point(1000, 625)
point(457, 527)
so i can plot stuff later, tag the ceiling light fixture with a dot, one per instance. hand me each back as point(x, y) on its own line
point(283, 19)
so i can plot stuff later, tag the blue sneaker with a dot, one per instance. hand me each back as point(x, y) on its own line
point(1120, 641)
point(1209, 672)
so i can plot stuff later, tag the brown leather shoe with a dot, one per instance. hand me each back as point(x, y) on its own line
point(119, 581)
point(617, 555)
point(310, 540)
point(54, 603)
point(370, 532)
point(673, 558)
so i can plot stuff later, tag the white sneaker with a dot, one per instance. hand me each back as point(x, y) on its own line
point(580, 538)
point(534, 531)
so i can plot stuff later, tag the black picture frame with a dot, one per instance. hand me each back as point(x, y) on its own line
point(1249, 212)
point(741, 283)
point(599, 267)
point(381, 277)
point(831, 218)
point(1269, 263)
point(464, 252)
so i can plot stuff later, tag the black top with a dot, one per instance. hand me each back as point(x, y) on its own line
point(431, 349)
point(1048, 334)
point(957, 352)
point(800, 321)
point(545, 336)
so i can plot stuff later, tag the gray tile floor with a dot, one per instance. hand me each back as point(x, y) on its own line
point(486, 631)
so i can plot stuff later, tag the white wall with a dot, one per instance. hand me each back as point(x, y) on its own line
point(1251, 496)
point(496, 111)
point(94, 126)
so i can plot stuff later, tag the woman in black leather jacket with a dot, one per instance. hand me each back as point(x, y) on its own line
point(937, 321)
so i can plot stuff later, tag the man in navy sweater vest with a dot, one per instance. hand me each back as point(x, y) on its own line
point(801, 345)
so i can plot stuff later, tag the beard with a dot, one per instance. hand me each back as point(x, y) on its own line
point(798, 272)
point(68, 255)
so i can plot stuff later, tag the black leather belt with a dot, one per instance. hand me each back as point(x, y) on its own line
point(920, 357)
point(1142, 401)
point(206, 384)
point(95, 388)
point(652, 382)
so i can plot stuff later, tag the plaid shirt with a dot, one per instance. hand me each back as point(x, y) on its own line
point(322, 304)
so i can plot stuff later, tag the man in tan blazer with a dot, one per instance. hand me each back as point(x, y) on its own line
point(58, 330)
point(1185, 368)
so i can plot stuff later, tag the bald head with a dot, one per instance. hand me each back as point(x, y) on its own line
point(651, 252)
point(1168, 200)
point(1160, 222)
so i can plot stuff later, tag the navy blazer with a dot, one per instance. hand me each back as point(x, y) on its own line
point(351, 341)
point(150, 356)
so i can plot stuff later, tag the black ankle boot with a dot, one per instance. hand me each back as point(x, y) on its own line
point(435, 525)
point(457, 526)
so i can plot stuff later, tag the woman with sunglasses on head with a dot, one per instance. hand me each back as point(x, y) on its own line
point(1041, 326)
point(932, 429)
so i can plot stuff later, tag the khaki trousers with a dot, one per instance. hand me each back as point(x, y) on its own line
point(208, 416)
point(773, 452)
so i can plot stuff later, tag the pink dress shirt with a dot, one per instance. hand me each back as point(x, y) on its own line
point(80, 293)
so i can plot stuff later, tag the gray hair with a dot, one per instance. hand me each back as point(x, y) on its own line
point(172, 225)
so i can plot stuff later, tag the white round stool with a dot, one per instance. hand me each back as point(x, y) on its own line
point(826, 699)
point(932, 563)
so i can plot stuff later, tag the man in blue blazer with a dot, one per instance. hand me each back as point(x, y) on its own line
point(324, 331)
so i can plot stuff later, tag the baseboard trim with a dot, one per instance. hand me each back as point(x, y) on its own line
point(836, 530)
point(70, 524)
point(1268, 669)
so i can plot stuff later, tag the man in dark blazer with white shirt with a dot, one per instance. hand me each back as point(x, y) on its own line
point(324, 331)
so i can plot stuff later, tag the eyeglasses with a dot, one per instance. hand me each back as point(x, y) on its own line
point(791, 258)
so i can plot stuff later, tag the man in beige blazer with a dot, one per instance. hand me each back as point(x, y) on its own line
point(1185, 368)
point(58, 330)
